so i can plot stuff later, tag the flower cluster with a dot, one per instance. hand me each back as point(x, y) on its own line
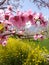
point(21, 18)
point(8, 19)
point(38, 36)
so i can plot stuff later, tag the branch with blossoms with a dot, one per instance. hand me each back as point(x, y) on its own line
point(41, 3)
point(11, 24)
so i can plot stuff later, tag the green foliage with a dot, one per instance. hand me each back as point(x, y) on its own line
point(17, 52)
point(41, 43)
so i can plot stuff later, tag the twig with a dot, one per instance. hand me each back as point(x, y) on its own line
point(3, 1)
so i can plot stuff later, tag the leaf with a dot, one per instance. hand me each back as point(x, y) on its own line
point(1, 26)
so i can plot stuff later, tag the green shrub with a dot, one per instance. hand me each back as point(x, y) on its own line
point(16, 52)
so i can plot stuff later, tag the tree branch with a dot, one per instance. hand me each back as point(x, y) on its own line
point(3, 1)
point(41, 3)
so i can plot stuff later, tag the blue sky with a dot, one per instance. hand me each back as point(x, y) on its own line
point(29, 5)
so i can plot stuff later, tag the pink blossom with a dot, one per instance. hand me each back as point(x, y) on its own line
point(38, 36)
point(35, 37)
point(9, 7)
point(3, 40)
point(6, 22)
point(15, 21)
point(36, 16)
point(6, 17)
point(21, 32)
point(41, 16)
point(18, 20)
point(4, 43)
point(43, 23)
point(30, 15)
point(8, 13)
point(30, 18)
point(24, 18)
point(33, 21)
